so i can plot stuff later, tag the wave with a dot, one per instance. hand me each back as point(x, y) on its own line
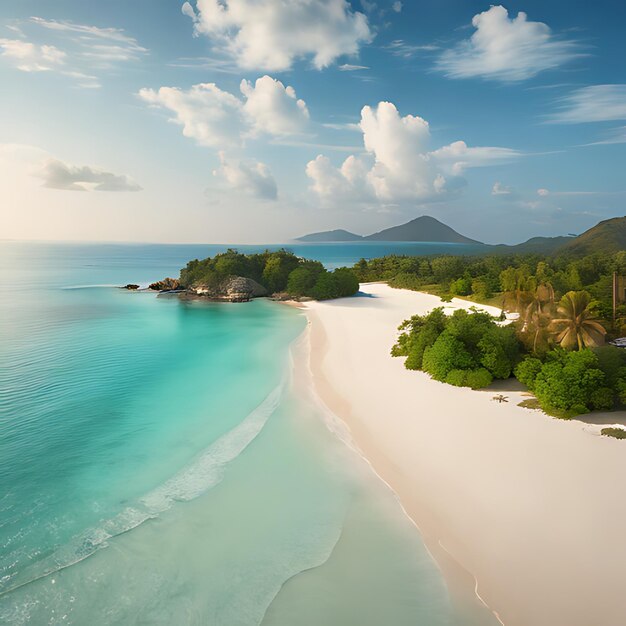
point(204, 472)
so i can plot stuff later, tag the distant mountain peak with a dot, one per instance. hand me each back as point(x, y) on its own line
point(423, 228)
point(337, 235)
point(420, 229)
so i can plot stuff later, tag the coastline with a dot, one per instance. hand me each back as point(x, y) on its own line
point(517, 508)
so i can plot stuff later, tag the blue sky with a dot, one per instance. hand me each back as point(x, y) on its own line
point(257, 120)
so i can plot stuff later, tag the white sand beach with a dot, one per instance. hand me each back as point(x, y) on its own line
point(523, 509)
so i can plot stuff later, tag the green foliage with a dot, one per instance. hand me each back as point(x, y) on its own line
point(526, 371)
point(461, 286)
point(277, 271)
point(568, 380)
point(302, 280)
point(616, 433)
point(340, 283)
point(464, 349)
point(446, 354)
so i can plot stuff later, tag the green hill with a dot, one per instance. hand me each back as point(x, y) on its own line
point(608, 236)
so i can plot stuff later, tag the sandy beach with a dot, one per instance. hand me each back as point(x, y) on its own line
point(523, 513)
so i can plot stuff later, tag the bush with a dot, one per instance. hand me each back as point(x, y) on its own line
point(616, 433)
point(602, 399)
point(464, 349)
point(338, 284)
point(446, 354)
point(461, 287)
point(567, 381)
point(526, 371)
point(479, 378)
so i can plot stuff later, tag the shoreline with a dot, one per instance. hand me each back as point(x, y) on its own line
point(497, 491)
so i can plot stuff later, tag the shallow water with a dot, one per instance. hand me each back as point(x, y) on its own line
point(157, 466)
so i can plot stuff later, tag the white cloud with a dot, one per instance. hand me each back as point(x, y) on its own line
point(400, 164)
point(250, 177)
point(90, 32)
point(31, 57)
point(596, 103)
point(79, 49)
point(349, 67)
point(219, 119)
point(271, 36)
point(273, 108)
point(59, 175)
point(506, 49)
point(404, 50)
point(397, 6)
point(207, 114)
point(500, 190)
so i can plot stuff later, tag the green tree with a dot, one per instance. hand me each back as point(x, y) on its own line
point(576, 326)
point(567, 381)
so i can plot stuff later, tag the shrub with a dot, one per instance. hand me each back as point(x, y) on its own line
point(479, 378)
point(526, 371)
point(461, 287)
point(567, 381)
point(446, 354)
point(602, 399)
point(616, 433)
point(468, 341)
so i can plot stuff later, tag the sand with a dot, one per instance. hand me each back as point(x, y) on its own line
point(523, 512)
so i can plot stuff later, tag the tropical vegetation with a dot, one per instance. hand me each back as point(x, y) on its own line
point(280, 272)
point(553, 342)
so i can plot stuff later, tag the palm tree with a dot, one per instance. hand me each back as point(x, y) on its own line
point(577, 327)
point(537, 315)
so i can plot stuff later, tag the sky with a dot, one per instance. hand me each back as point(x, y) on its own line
point(257, 121)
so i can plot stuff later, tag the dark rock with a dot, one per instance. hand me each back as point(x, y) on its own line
point(131, 287)
point(167, 284)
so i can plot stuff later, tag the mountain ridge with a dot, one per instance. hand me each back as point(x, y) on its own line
point(420, 229)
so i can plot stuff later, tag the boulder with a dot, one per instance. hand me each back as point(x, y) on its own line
point(167, 284)
point(131, 287)
point(239, 289)
point(233, 289)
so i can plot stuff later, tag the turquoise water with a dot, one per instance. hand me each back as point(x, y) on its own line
point(157, 467)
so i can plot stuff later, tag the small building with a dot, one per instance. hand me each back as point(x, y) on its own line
point(620, 342)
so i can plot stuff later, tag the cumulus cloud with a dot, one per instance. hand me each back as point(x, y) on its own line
point(595, 103)
point(400, 164)
point(250, 177)
point(506, 49)
point(273, 108)
point(59, 175)
point(31, 57)
point(219, 119)
point(269, 35)
point(207, 114)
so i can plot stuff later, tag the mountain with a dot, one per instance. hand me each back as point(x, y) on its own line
point(606, 236)
point(423, 228)
point(535, 245)
point(331, 235)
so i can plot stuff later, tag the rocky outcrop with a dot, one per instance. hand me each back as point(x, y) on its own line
point(167, 284)
point(131, 287)
point(233, 289)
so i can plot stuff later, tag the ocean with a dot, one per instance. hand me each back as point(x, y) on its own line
point(159, 466)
